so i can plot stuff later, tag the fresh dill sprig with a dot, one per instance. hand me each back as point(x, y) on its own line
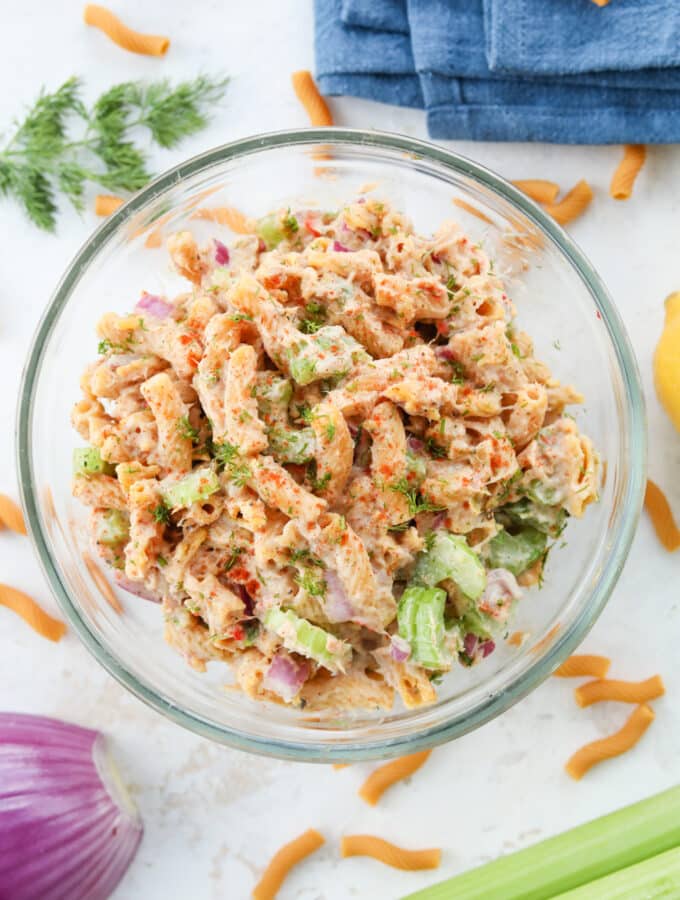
point(44, 159)
point(416, 504)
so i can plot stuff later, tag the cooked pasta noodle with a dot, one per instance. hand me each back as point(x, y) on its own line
point(308, 94)
point(582, 665)
point(11, 516)
point(627, 171)
point(539, 190)
point(105, 204)
point(468, 207)
point(127, 38)
point(383, 778)
point(584, 759)
point(283, 861)
point(105, 588)
point(390, 854)
point(227, 215)
point(620, 691)
point(572, 204)
point(661, 515)
point(31, 613)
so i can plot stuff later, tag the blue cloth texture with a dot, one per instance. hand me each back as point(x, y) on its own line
point(557, 37)
point(386, 15)
point(441, 65)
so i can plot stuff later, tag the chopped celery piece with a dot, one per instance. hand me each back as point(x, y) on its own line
point(420, 617)
point(543, 493)
point(303, 369)
point(273, 395)
point(549, 519)
point(517, 552)
point(194, 487)
point(113, 528)
point(576, 857)
point(450, 557)
point(328, 353)
point(291, 446)
point(656, 877)
point(88, 461)
point(300, 636)
point(416, 467)
point(271, 230)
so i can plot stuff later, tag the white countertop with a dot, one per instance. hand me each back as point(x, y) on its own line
point(213, 816)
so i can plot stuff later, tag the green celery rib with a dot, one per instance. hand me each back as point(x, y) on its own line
point(652, 879)
point(574, 858)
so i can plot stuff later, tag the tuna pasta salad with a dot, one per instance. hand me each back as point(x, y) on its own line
point(333, 459)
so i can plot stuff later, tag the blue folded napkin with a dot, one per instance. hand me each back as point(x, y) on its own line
point(441, 65)
point(556, 37)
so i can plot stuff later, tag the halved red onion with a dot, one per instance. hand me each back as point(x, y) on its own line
point(221, 253)
point(68, 828)
point(285, 676)
point(337, 605)
point(155, 306)
point(340, 248)
point(400, 650)
point(139, 590)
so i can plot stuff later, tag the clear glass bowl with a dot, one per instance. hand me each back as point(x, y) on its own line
point(561, 302)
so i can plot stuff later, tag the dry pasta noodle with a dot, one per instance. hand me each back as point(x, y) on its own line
point(623, 179)
point(570, 207)
point(620, 691)
point(127, 38)
point(105, 204)
point(580, 665)
point(584, 759)
point(31, 613)
point(383, 778)
point(539, 190)
point(227, 215)
point(468, 207)
point(660, 513)
point(308, 94)
point(10, 515)
point(390, 854)
point(104, 587)
point(283, 861)
point(601, 2)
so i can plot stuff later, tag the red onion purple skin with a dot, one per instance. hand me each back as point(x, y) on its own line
point(221, 253)
point(400, 650)
point(138, 590)
point(470, 644)
point(154, 306)
point(340, 248)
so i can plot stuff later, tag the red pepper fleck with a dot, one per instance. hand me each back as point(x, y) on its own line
point(238, 633)
point(311, 229)
point(253, 587)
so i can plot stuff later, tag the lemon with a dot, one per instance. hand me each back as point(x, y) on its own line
point(667, 360)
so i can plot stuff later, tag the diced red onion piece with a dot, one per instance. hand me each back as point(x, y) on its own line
point(435, 258)
point(500, 591)
point(221, 253)
point(470, 644)
point(400, 649)
point(155, 306)
point(414, 444)
point(445, 353)
point(337, 605)
point(340, 248)
point(285, 676)
point(486, 648)
point(138, 590)
point(68, 828)
point(439, 520)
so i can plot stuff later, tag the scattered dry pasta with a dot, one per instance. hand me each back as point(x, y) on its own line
point(539, 190)
point(468, 207)
point(383, 778)
point(127, 38)
point(572, 204)
point(283, 861)
point(105, 204)
point(104, 587)
point(601, 2)
point(308, 94)
point(623, 179)
point(620, 691)
point(614, 745)
point(227, 215)
point(581, 665)
point(660, 513)
point(390, 854)
point(10, 515)
point(31, 613)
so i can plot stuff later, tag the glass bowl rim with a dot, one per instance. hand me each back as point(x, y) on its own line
point(629, 510)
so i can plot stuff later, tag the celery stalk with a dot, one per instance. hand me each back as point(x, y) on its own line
point(571, 859)
point(192, 488)
point(289, 445)
point(300, 636)
point(421, 622)
point(88, 461)
point(656, 877)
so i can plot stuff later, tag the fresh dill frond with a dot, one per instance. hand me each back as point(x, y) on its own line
point(62, 145)
point(228, 456)
point(186, 430)
point(305, 556)
point(416, 504)
point(161, 514)
point(315, 587)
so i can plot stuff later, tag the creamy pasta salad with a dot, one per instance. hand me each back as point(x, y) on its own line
point(334, 460)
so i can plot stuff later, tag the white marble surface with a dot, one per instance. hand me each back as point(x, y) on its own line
point(213, 815)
